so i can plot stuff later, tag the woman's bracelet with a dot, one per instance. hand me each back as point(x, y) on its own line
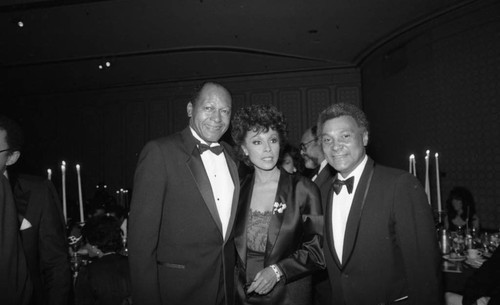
point(277, 271)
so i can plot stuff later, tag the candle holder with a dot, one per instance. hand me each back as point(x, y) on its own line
point(439, 219)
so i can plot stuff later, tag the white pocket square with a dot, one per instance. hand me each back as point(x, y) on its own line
point(25, 224)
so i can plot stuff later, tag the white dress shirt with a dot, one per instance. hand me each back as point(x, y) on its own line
point(220, 180)
point(341, 206)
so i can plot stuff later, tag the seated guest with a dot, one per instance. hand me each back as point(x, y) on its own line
point(483, 287)
point(106, 280)
point(279, 225)
point(291, 160)
point(461, 210)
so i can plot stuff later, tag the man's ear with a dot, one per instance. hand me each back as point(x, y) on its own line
point(13, 157)
point(189, 109)
point(365, 138)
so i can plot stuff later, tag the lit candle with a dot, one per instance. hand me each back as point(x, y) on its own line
point(438, 184)
point(427, 185)
point(49, 174)
point(80, 198)
point(63, 179)
point(410, 165)
point(414, 166)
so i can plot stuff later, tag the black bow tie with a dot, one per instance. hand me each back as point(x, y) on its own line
point(337, 185)
point(215, 149)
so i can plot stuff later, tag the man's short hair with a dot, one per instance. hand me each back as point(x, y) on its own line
point(314, 131)
point(342, 109)
point(195, 94)
point(14, 134)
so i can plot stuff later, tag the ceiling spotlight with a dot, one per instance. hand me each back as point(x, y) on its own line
point(20, 24)
point(108, 64)
point(100, 67)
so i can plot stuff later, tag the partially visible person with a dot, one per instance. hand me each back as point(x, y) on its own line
point(15, 283)
point(106, 280)
point(279, 224)
point(380, 240)
point(42, 224)
point(314, 159)
point(291, 160)
point(184, 201)
point(461, 210)
point(483, 287)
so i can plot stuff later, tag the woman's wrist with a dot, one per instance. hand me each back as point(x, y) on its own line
point(277, 271)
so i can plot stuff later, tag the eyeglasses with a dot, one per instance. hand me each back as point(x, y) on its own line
point(1, 151)
point(303, 146)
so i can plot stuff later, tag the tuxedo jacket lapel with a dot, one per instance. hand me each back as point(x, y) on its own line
point(233, 170)
point(195, 165)
point(240, 236)
point(277, 219)
point(329, 228)
point(354, 217)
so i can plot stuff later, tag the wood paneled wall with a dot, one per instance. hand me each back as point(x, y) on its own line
point(104, 131)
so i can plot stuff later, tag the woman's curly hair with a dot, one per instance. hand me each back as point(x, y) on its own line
point(258, 118)
point(103, 232)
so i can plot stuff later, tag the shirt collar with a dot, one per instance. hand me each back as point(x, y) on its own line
point(322, 165)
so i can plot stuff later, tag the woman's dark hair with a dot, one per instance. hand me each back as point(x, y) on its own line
point(294, 152)
point(103, 232)
point(258, 118)
point(468, 204)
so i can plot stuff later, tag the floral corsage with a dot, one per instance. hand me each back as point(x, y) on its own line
point(279, 207)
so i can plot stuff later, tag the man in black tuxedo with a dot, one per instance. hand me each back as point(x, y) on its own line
point(186, 190)
point(380, 242)
point(41, 224)
point(322, 176)
point(15, 283)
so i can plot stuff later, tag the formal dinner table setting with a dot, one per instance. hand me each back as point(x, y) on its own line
point(463, 250)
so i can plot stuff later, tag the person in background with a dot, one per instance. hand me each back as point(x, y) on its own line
point(482, 287)
point(279, 224)
point(314, 159)
point(380, 240)
point(291, 160)
point(106, 280)
point(461, 210)
point(42, 225)
point(184, 201)
point(15, 282)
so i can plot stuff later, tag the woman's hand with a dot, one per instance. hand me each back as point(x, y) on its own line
point(263, 282)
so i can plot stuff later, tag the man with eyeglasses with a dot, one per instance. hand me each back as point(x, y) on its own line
point(40, 222)
point(322, 175)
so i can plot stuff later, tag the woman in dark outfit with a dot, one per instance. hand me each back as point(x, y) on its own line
point(279, 223)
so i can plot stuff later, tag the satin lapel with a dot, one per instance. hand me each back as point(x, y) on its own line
point(240, 234)
point(329, 228)
point(195, 165)
point(282, 196)
point(324, 176)
point(233, 170)
point(354, 217)
point(21, 197)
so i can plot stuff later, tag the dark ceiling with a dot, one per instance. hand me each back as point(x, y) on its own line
point(61, 44)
